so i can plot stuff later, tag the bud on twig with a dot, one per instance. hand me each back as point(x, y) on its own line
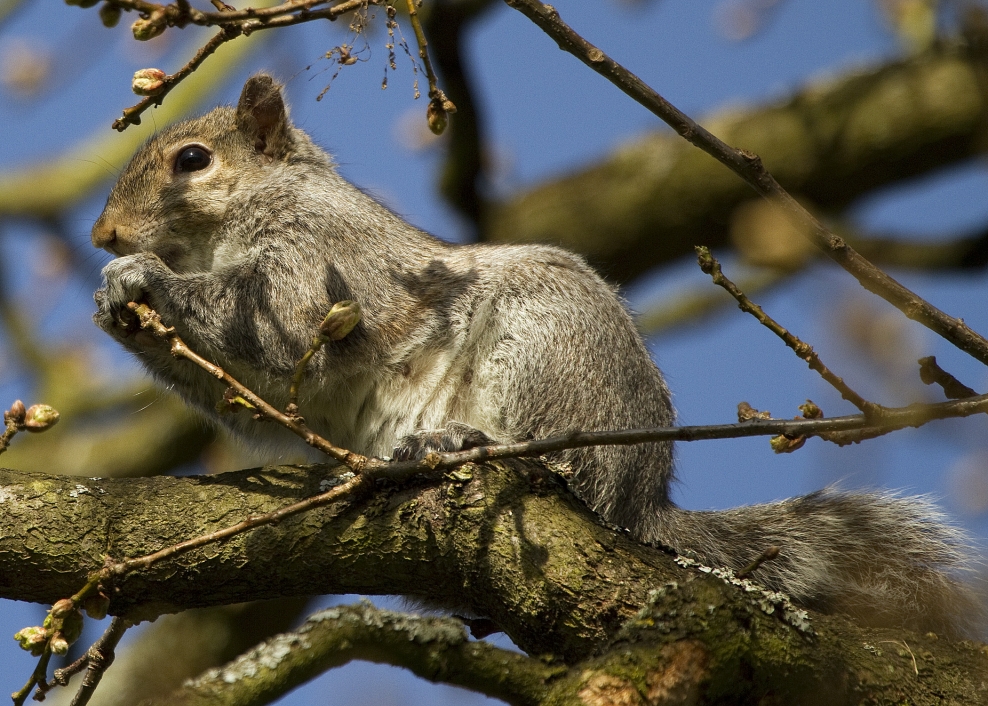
point(32, 639)
point(109, 14)
point(15, 414)
point(145, 29)
point(59, 645)
point(96, 606)
point(437, 117)
point(40, 417)
point(148, 82)
point(340, 320)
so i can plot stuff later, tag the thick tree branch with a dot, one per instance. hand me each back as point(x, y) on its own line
point(830, 143)
point(506, 541)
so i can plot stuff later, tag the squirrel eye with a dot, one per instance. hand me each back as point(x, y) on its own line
point(192, 159)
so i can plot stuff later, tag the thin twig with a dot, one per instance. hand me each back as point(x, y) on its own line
point(349, 488)
point(766, 555)
point(97, 658)
point(891, 419)
point(132, 115)
point(233, 24)
point(8, 434)
point(100, 657)
point(931, 373)
point(371, 469)
point(150, 321)
point(439, 104)
point(708, 263)
point(749, 167)
point(38, 676)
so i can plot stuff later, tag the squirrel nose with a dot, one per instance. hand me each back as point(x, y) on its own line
point(115, 237)
point(104, 234)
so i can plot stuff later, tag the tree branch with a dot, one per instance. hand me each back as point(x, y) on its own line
point(433, 648)
point(831, 143)
point(506, 541)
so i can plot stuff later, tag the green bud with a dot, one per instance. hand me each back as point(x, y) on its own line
point(340, 320)
point(148, 29)
point(32, 639)
point(96, 606)
point(437, 117)
point(109, 14)
point(72, 626)
point(40, 417)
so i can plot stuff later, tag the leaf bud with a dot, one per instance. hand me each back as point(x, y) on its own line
point(340, 320)
point(59, 645)
point(96, 606)
point(40, 417)
point(32, 639)
point(148, 82)
point(62, 608)
point(437, 117)
point(145, 29)
point(109, 14)
point(15, 414)
point(72, 626)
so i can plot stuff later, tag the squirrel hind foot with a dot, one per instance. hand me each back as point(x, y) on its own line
point(455, 436)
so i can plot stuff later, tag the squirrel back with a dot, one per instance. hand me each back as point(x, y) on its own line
point(238, 230)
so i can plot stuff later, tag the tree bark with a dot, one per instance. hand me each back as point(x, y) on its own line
point(503, 540)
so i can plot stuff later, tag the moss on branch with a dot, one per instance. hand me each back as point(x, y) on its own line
point(506, 541)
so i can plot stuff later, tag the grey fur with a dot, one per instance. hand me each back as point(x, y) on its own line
point(246, 256)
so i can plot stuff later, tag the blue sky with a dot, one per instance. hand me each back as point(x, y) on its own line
point(546, 113)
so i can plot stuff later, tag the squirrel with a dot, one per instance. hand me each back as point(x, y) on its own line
point(237, 229)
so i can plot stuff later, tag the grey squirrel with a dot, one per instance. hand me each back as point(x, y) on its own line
point(237, 229)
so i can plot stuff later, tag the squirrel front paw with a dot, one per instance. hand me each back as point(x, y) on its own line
point(455, 436)
point(128, 279)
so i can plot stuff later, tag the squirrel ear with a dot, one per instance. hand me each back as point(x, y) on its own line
point(261, 114)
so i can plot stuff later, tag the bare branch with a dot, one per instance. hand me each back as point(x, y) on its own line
point(132, 115)
point(749, 167)
point(931, 373)
point(434, 648)
point(805, 351)
point(150, 321)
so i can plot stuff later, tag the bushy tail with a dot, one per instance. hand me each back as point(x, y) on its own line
point(884, 560)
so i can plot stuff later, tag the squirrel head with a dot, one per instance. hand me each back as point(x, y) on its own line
point(173, 197)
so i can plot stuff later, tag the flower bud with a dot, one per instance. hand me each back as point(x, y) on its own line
point(59, 645)
point(437, 117)
point(340, 320)
point(62, 608)
point(150, 28)
point(32, 639)
point(148, 82)
point(72, 626)
point(15, 414)
point(40, 417)
point(109, 14)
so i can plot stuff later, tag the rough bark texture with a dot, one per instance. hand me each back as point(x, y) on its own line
point(506, 541)
point(829, 145)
